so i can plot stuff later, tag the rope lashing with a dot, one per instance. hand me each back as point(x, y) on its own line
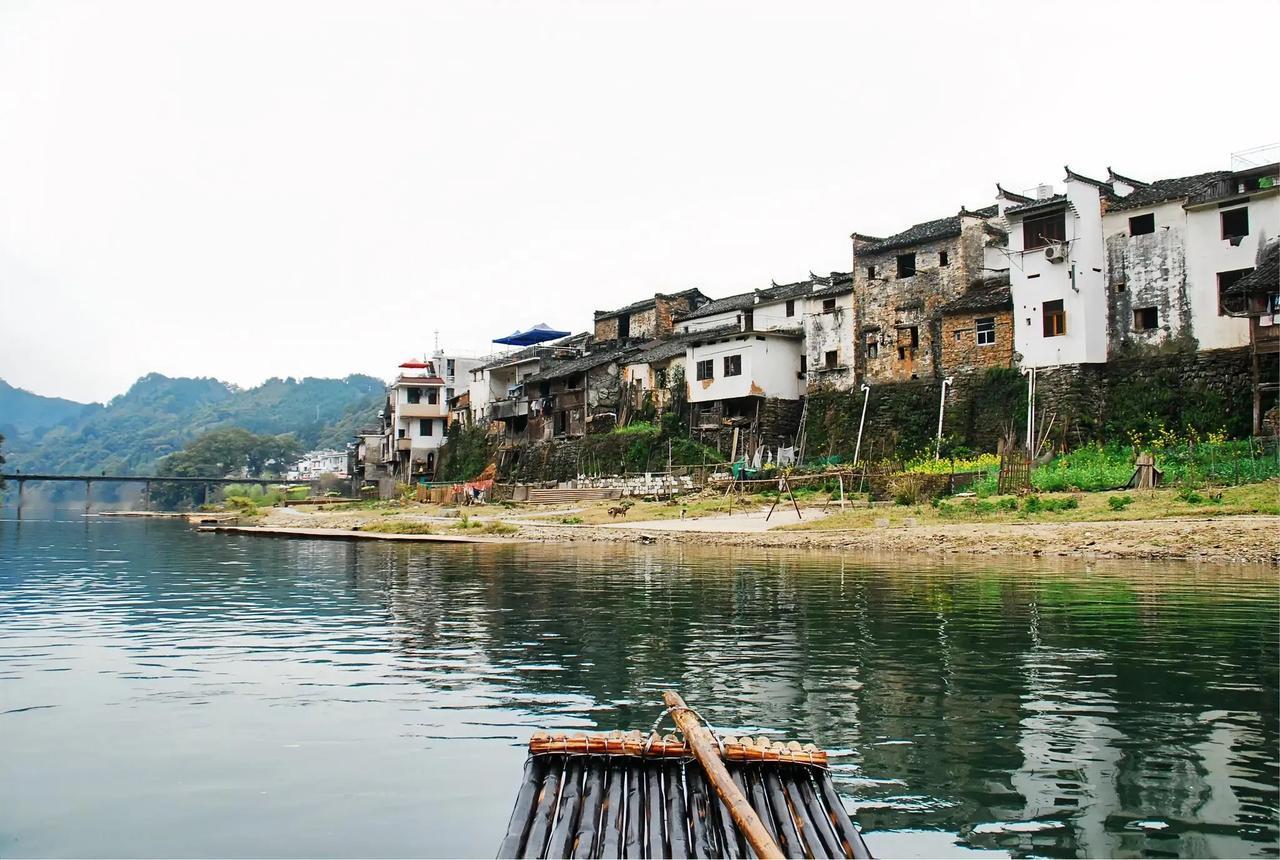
point(653, 730)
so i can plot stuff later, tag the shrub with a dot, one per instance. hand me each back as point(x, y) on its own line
point(1036, 504)
point(1119, 503)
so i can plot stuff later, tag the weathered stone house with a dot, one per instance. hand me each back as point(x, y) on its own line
point(977, 328)
point(900, 284)
point(575, 396)
point(647, 319)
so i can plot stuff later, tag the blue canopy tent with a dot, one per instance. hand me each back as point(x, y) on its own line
point(538, 334)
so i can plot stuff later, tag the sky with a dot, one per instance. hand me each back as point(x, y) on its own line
point(254, 189)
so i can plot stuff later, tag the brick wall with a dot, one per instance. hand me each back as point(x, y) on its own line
point(960, 350)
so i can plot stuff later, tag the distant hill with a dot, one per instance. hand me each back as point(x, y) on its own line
point(23, 413)
point(159, 414)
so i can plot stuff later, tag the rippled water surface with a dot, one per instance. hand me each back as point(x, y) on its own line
point(164, 693)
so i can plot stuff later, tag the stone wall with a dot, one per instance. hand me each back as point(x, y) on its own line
point(1147, 271)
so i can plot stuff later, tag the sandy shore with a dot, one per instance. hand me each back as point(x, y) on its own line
point(1250, 539)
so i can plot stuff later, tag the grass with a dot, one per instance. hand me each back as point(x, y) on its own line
point(487, 527)
point(1257, 498)
point(397, 527)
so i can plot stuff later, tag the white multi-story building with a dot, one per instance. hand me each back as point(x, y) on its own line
point(417, 419)
point(320, 462)
point(1057, 273)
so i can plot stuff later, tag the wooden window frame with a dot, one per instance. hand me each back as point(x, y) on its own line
point(1034, 234)
point(733, 365)
point(983, 326)
point(705, 369)
point(1053, 315)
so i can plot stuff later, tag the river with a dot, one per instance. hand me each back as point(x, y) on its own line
point(166, 693)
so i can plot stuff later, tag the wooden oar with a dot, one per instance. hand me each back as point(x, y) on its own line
point(704, 749)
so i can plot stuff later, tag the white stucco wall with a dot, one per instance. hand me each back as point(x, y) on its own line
point(824, 332)
point(1079, 281)
point(773, 315)
point(710, 321)
point(770, 368)
point(1208, 254)
point(1153, 268)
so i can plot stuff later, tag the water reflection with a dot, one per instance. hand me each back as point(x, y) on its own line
point(344, 699)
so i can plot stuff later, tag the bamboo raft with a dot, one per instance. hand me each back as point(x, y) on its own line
point(628, 795)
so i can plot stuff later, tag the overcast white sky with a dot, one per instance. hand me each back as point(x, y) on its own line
point(256, 189)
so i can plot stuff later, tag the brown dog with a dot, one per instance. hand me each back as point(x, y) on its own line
point(619, 511)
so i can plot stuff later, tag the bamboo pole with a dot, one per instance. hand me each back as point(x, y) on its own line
point(708, 755)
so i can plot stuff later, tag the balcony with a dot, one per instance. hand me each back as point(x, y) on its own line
point(1237, 186)
point(422, 410)
point(502, 410)
point(405, 444)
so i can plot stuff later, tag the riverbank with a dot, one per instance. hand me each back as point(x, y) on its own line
point(1235, 525)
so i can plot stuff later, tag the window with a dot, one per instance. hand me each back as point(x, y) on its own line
point(942, 258)
point(748, 320)
point(624, 326)
point(424, 426)
point(828, 306)
point(433, 396)
point(960, 333)
point(1235, 223)
point(871, 273)
point(1141, 225)
point(733, 365)
point(1225, 281)
point(985, 328)
point(1145, 319)
point(1055, 319)
point(872, 346)
point(449, 366)
point(448, 395)
point(830, 359)
point(906, 265)
point(908, 339)
point(1043, 231)
point(415, 395)
point(804, 363)
point(791, 307)
point(706, 369)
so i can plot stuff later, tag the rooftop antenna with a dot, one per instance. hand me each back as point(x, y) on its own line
point(437, 334)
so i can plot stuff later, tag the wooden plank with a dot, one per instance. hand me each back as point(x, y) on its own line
point(633, 840)
point(704, 749)
point(677, 816)
point(655, 833)
point(788, 833)
point(805, 790)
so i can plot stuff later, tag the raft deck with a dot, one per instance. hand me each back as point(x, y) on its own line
point(628, 796)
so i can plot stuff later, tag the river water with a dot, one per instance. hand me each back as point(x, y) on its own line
point(165, 693)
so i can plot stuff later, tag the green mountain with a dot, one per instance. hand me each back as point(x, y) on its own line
point(23, 413)
point(158, 415)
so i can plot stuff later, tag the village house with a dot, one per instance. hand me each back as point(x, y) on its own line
point(977, 327)
point(1256, 297)
point(830, 345)
point(497, 392)
point(1229, 221)
point(901, 282)
point(417, 418)
point(574, 396)
point(737, 378)
point(1145, 228)
point(648, 319)
point(1058, 272)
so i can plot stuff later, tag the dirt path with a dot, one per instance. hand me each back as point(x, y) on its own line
point(1253, 539)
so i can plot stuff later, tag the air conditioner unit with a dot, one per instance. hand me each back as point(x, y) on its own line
point(1055, 253)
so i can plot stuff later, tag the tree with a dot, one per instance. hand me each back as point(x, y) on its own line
point(228, 452)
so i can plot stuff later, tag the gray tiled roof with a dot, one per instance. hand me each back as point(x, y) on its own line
point(741, 301)
point(1164, 190)
point(926, 231)
point(988, 295)
point(644, 304)
point(1263, 280)
point(1036, 204)
point(572, 366)
point(661, 350)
